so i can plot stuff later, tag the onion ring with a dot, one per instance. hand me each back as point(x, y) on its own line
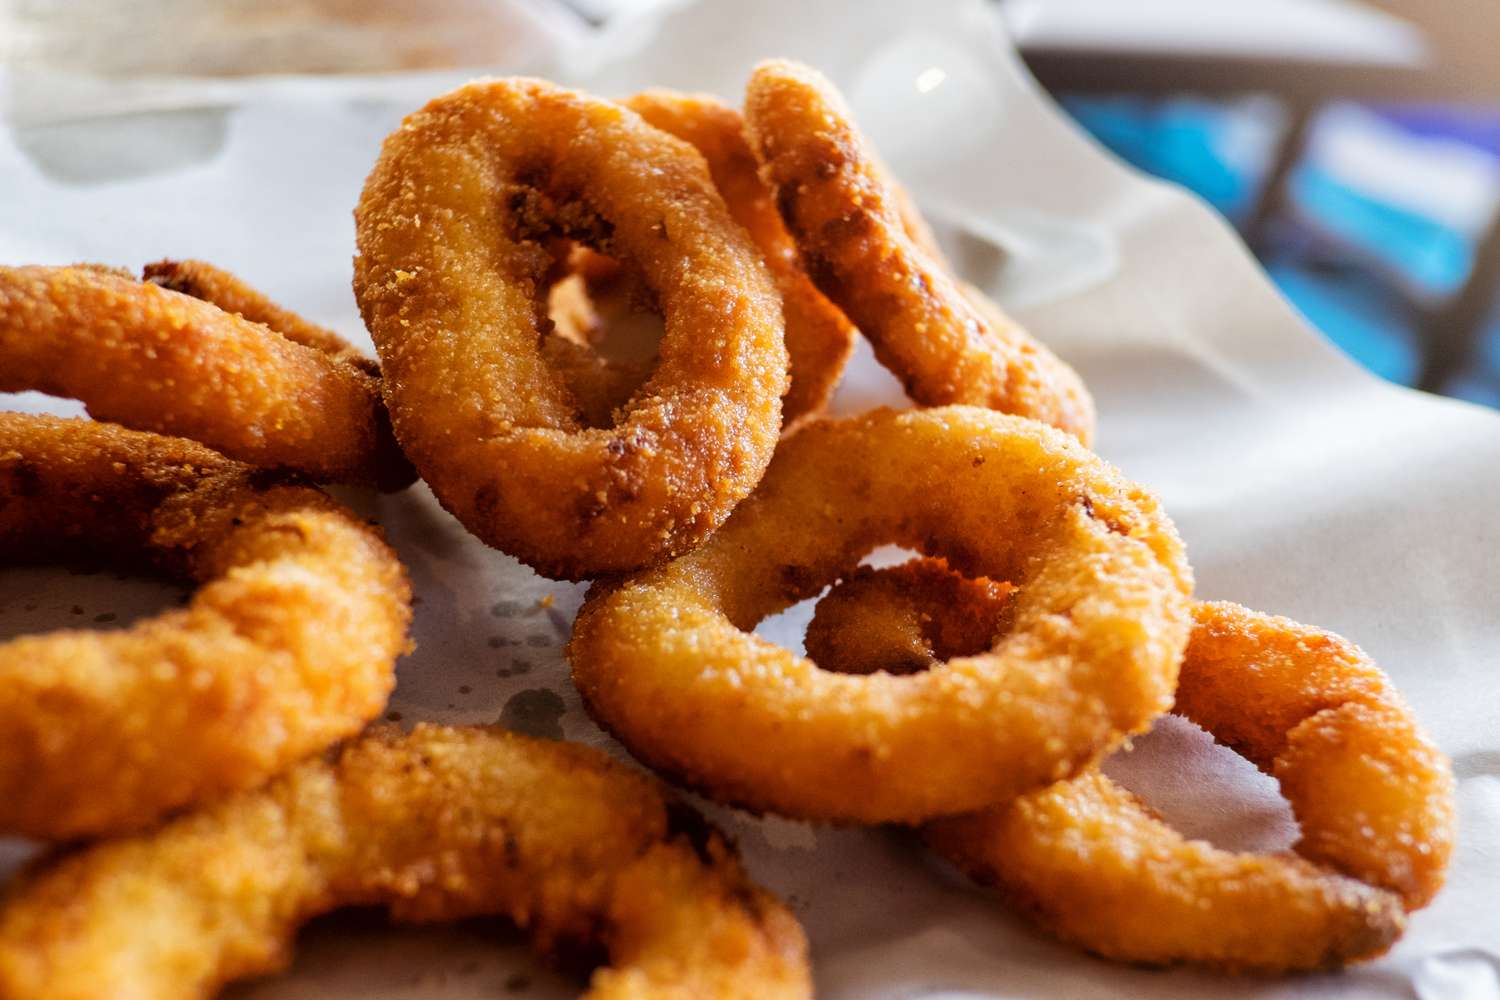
point(288, 645)
point(204, 281)
point(442, 824)
point(819, 339)
point(1089, 861)
point(857, 243)
point(1107, 874)
point(450, 228)
point(1101, 612)
point(153, 359)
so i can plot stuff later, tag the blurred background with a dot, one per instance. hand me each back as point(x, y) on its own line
point(1354, 145)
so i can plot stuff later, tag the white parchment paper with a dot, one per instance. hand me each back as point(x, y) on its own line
point(1302, 485)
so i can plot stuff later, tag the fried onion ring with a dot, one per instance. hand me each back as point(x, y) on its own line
point(819, 339)
point(451, 229)
point(288, 645)
point(443, 824)
point(852, 228)
point(665, 662)
point(1091, 862)
point(143, 355)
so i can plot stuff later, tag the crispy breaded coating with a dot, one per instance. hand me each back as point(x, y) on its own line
point(819, 338)
point(153, 359)
point(860, 243)
point(441, 824)
point(288, 645)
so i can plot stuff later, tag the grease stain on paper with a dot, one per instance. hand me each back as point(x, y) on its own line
point(535, 712)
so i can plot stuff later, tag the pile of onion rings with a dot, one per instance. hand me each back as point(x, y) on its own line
point(993, 672)
point(288, 645)
point(441, 824)
point(219, 364)
point(511, 234)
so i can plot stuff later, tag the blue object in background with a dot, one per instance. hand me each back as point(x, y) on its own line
point(1365, 312)
point(1477, 127)
point(1209, 147)
point(1347, 202)
point(1428, 256)
point(1474, 386)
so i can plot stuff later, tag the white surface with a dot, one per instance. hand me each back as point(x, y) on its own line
point(1341, 31)
point(1302, 485)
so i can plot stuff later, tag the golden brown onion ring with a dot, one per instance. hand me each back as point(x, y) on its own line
point(857, 240)
point(666, 662)
point(1092, 864)
point(288, 645)
point(1088, 860)
point(154, 359)
point(452, 229)
point(442, 824)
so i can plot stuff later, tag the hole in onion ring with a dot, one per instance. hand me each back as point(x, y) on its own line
point(788, 628)
point(606, 330)
point(603, 303)
point(604, 326)
point(901, 615)
point(1203, 789)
